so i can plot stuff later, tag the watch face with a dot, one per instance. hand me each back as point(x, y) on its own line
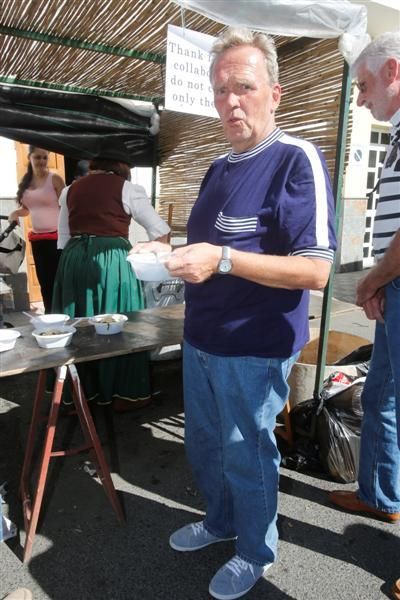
point(225, 265)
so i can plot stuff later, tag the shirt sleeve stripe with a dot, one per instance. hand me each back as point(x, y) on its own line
point(316, 252)
point(321, 200)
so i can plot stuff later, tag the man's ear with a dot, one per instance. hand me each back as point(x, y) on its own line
point(391, 70)
point(276, 94)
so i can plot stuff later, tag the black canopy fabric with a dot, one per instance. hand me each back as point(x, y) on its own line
point(74, 125)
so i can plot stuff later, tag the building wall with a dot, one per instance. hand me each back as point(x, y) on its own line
point(8, 169)
point(8, 187)
point(351, 254)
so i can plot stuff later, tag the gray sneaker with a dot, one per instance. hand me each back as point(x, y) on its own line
point(235, 579)
point(193, 537)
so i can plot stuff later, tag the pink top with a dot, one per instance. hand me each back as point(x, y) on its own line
point(43, 207)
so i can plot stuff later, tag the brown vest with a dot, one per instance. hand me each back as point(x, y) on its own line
point(95, 206)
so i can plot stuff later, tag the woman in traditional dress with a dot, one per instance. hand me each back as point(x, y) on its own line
point(94, 276)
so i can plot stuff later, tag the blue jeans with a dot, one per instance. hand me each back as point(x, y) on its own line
point(231, 405)
point(379, 474)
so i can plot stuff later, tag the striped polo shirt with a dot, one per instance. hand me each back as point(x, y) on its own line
point(387, 217)
point(273, 199)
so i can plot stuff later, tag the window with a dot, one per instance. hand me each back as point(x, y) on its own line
point(372, 159)
point(374, 137)
point(370, 180)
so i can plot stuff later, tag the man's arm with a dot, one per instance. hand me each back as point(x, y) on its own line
point(198, 262)
point(384, 271)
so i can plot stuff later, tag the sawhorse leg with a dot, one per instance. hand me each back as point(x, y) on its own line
point(31, 513)
point(93, 442)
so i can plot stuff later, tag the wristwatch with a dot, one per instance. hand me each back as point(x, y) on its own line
point(225, 264)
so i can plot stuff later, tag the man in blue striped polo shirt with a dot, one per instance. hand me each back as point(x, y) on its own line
point(377, 71)
point(260, 235)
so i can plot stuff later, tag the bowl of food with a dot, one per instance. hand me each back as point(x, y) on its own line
point(150, 266)
point(54, 337)
point(49, 321)
point(8, 337)
point(108, 324)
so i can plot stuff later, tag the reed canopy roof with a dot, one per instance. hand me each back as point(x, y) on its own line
point(117, 48)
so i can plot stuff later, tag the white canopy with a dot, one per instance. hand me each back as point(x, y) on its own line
point(299, 18)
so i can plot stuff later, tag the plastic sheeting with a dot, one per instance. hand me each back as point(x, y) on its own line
point(75, 125)
point(299, 18)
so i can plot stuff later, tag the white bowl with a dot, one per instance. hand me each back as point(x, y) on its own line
point(149, 266)
point(8, 337)
point(62, 338)
point(49, 320)
point(108, 324)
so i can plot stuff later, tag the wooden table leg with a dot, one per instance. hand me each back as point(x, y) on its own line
point(92, 440)
point(26, 468)
point(31, 513)
point(31, 516)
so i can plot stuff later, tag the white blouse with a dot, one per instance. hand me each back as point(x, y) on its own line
point(135, 202)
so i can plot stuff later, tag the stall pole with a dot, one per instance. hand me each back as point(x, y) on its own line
point(338, 195)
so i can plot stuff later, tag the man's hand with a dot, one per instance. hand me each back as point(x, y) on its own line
point(195, 263)
point(366, 289)
point(374, 307)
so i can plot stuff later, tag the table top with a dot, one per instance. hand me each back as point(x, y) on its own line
point(145, 330)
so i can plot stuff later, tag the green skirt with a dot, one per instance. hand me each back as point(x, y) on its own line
point(93, 278)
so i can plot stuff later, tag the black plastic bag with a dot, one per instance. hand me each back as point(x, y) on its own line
point(327, 429)
point(338, 433)
point(304, 454)
point(360, 357)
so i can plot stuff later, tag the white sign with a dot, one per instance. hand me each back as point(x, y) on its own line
point(187, 85)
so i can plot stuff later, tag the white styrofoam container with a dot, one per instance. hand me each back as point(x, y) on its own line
point(49, 320)
point(54, 341)
point(8, 337)
point(108, 328)
point(149, 266)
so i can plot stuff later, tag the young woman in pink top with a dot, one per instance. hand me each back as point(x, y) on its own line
point(37, 196)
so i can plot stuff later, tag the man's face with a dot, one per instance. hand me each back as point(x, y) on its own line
point(375, 92)
point(244, 98)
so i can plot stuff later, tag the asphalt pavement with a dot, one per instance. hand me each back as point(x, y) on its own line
point(81, 552)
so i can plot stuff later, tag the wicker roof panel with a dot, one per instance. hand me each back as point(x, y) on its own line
point(40, 62)
point(109, 25)
point(117, 47)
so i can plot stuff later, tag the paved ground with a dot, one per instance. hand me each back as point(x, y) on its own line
point(81, 553)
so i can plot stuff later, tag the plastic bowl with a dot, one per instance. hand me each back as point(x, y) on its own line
point(50, 320)
point(108, 324)
point(62, 338)
point(8, 337)
point(149, 266)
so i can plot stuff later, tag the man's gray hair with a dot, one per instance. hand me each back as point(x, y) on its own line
point(378, 52)
point(240, 36)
